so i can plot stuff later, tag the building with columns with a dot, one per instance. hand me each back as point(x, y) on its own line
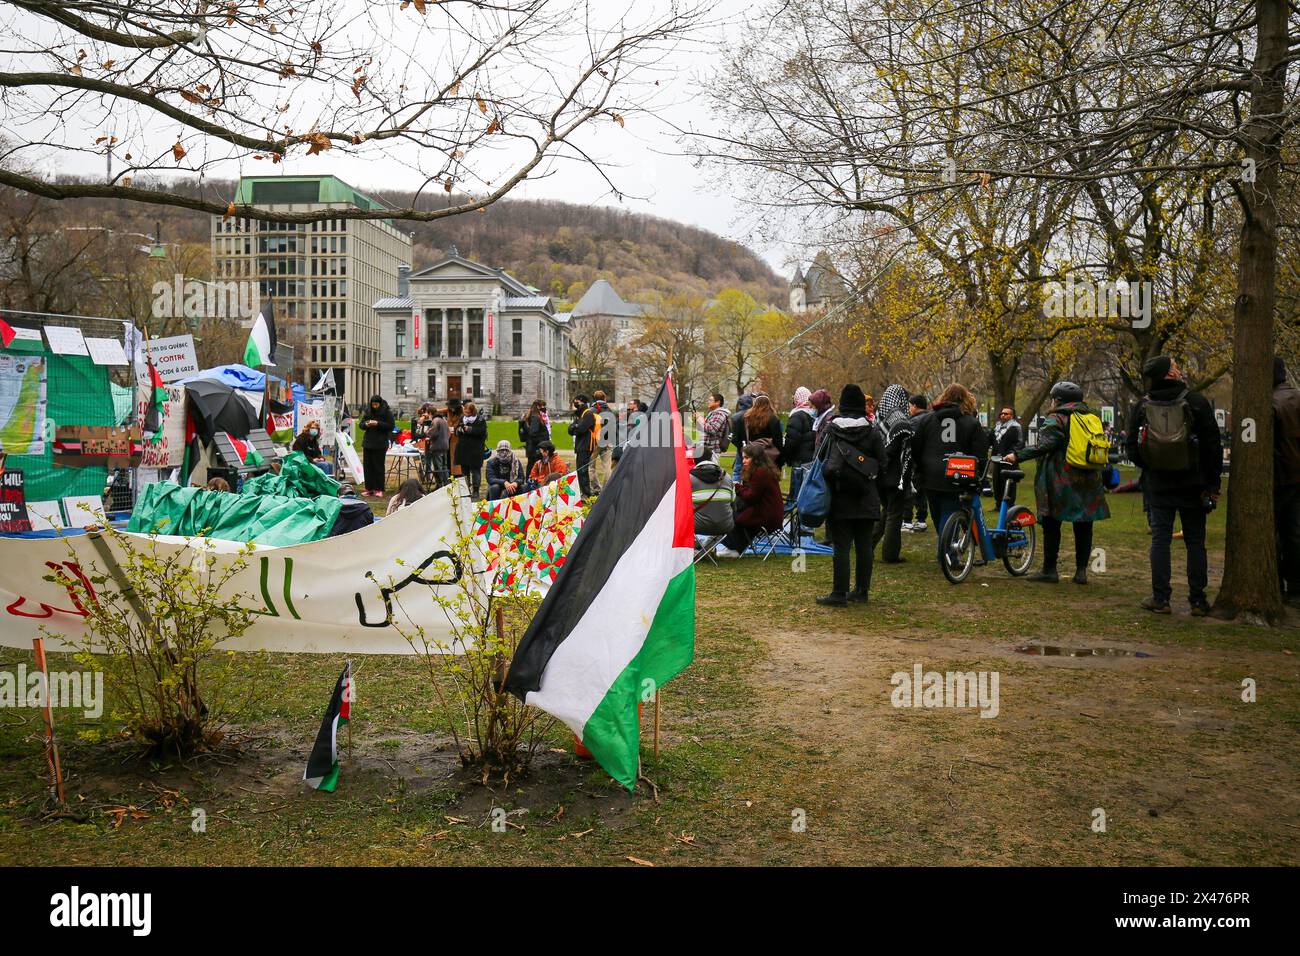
point(461, 329)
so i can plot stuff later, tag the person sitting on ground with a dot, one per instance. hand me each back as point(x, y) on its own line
point(1064, 493)
point(761, 508)
point(548, 467)
point(407, 494)
point(308, 442)
point(505, 473)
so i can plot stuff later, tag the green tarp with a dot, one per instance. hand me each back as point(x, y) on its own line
point(298, 478)
point(165, 508)
point(77, 393)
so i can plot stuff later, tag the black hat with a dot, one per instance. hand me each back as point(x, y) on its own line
point(1156, 369)
point(852, 399)
point(1066, 392)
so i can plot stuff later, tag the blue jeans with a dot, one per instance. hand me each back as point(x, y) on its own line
point(740, 461)
point(1162, 530)
point(942, 504)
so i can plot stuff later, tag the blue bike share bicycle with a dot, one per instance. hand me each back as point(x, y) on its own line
point(966, 541)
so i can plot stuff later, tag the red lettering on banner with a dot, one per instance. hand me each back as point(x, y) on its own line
point(47, 611)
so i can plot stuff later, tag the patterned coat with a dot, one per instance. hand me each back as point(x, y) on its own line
point(1064, 492)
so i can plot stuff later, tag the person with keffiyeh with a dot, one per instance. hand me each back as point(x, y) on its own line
point(799, 438)
point(895, 426)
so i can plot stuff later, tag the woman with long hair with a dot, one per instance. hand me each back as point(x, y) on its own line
point(761, 507)
point(408, 493)
point(759, 425)
point(469, 449)
point(533, 431)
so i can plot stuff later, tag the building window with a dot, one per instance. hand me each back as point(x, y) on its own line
point(401, 338)
point(400, 381)
point(478, 382)
point(433, 383)
point(517, 382)
point(455, 337)
point(475, 324)
point(517, 337)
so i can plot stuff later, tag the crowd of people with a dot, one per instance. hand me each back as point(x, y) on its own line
point(885, 467)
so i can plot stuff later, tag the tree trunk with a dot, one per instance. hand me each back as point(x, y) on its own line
point(1250, 586)
point(1004, 372)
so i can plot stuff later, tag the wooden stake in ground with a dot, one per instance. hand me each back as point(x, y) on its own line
point(656, 725)
point(51, 748)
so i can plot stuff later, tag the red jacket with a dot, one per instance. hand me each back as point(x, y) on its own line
point(761, 502)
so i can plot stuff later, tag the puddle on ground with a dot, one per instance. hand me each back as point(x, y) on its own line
point(1053, 650)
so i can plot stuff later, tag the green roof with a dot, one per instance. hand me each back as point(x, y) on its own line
point(274, 190)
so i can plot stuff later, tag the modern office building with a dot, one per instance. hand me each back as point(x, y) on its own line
point(324, 277)
point(461, 329)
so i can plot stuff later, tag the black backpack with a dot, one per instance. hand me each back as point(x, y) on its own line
point(852, 469)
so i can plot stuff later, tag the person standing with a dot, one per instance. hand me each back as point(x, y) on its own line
point(853, 471)
point(950, 428)
point(603, 437)
point(918, 406)
point(895, 427)
point(438, 447)
point(472, 442)
point(533, 431)
point(800, 439)
point(377, 422)
point(823, 412)
point(583, 430)
point(759, 425)
point(1064, 492)
point(1286, 481)
point(717, 429)
point(1008, 438)
point(1173, 437)
point(743, 404)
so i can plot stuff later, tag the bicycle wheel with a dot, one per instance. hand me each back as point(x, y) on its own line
point(1018, 554)
point(957, 547)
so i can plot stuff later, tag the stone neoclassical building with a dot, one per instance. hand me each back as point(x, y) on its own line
point(461, 329)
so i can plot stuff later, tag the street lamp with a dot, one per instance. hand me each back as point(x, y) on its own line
point(158, 250)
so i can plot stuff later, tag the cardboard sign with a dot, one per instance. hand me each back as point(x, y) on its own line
point(106, 351)
point(173, 357)
point(169, 451)
point(65, 341)
point(103, 446)
point(13, 503)
point(84, 510)
point(45, 515)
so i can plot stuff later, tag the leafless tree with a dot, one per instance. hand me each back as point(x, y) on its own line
point(469, 95)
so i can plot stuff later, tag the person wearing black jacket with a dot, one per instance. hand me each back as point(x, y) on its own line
point(1189, 493)
point(797, 448)
point(759, 423)
point(583, 430)
point(895, 427)
point(472, 441)
point(504, 472)
point(743, 404)
point(533, 431)
point(377, 421)
point(853, 466)
point(950, 428)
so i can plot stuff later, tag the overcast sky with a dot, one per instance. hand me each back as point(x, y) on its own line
point(641, 156)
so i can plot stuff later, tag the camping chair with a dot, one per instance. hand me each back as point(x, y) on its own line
point(790, 533)
point(705, 550)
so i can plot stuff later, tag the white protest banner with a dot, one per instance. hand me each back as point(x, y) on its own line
point(168, 451)
point(174, 358)
point(65, 341)
point(351, 460)
point(106, 351)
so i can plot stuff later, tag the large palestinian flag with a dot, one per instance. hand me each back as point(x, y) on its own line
point(260, 349)
point(323, 763)
point(619, 621)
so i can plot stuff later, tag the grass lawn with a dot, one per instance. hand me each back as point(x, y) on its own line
point(785, 715)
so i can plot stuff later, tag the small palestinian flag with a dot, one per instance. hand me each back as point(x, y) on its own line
point(153, 419)
point(322, 771)
point(619, 620)
point(260, 349)
point(6, 333)
point(249, 456)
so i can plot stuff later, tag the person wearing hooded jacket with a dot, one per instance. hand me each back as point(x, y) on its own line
point(743, 404)
point(472, 433)
point(854, 463)
point(377, 422)
point(950, 428)
point(895, 426)
point(797, 448)
point(1064, 493)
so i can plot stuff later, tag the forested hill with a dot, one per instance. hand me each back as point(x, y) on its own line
point(557, 246)
point(562, 248)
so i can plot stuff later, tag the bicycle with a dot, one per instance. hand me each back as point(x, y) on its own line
point(1013, 539)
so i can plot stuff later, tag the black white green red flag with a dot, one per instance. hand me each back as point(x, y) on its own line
point(323, 763)
point(619, 620)
point(260, 349)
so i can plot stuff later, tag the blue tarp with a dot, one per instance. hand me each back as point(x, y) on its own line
point(245, 378)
